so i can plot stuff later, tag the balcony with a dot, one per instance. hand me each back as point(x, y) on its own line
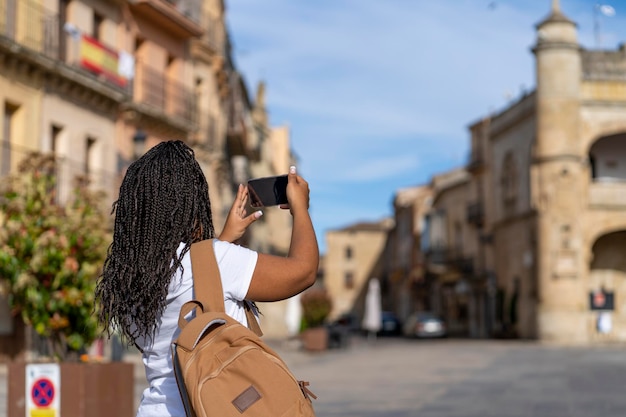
point(450, 259)
point(242, 138)
point(181, 18)
point(212, 44)
point(32, 36)
point(68, 170)
point(158, 95)
point(100, 60)
point(35, 40)
point(607, 195)
point(27, 24)
point(476, 164)
point(475, 214)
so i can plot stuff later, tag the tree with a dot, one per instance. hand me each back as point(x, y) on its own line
point(51, 254)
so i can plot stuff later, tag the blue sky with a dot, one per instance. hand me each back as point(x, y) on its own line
point(378, 94)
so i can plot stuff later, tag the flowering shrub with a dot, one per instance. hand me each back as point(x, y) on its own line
point(316, 306)
point(51, 255)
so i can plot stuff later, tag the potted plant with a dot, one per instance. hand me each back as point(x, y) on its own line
point(316, 306)
point(51, 253)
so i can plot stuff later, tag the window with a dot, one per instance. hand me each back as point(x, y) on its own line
point(348, 280)
point(89, 154)
point(55, 138)
point(138, 44)
point(458, 238)
point(7, 132)
point(348, 252)
point(97, 26)
point(509, 182)
point(607, 158)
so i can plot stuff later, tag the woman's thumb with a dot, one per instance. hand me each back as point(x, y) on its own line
point(254, 216)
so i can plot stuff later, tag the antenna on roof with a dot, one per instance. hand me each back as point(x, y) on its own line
point(598, 11)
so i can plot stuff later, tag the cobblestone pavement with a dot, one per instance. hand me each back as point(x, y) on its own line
point(452, 378)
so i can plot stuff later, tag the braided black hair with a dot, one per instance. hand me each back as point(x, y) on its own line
point(163, 202)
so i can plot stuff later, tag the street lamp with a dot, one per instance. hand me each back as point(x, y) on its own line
point(139, 143)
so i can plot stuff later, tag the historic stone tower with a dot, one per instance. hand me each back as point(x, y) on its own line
point(578, 186)
point(558, 173)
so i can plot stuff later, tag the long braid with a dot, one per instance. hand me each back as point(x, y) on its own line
point(163, 202)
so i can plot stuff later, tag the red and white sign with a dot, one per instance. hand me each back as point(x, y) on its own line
point(43, 390)
point(599, 299)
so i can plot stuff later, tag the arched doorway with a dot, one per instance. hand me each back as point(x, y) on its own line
point(607, 157)
point(607, 280)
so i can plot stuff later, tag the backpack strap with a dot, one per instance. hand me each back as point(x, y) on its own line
point(253, 323)
point(206, 277)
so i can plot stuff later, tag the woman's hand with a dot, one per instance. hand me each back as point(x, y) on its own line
point(238, 221)
point(297, 192)
point(279, 277)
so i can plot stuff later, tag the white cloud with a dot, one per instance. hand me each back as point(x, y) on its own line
point(380, 168)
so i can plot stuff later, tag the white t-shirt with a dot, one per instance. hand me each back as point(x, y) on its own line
point(236, 265)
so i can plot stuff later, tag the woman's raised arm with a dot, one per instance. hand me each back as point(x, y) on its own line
point(276, 278)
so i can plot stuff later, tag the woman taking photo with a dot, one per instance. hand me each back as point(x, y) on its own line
point(163, 207)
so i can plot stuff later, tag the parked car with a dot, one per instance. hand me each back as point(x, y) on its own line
point(341, 329)
point(391, 325)
point(424, 324)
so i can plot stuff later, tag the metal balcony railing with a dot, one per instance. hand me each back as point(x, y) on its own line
point(192, 9)
point(476, 163)
point(153, 88)
point(475, 214)
point(27, 23)
point(68, 170)
point(450, 258)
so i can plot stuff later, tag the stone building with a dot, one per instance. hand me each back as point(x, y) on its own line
point(272, 232)
point(544, 200)
point(354, 255)
point(98, 82)
point(405, 287)
point(451, 256)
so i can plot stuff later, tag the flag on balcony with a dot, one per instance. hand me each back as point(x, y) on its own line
point(101, 60)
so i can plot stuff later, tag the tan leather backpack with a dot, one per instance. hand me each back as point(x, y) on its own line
point(224, 368)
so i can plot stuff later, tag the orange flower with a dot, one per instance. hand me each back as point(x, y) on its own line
point(71, 264)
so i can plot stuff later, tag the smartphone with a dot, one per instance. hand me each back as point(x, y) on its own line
point(268, 191)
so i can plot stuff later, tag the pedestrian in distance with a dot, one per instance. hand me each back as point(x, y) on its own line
point(163, 207)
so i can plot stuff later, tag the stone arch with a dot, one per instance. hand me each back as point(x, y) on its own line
point(607, 158)
point(609, 250)
point(611, 225)
point(601, 130)
point(607, 275)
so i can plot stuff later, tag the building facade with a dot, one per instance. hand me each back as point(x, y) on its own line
point(452, 257)
point(98, 82)
point(545, 223)
point(354, 255)
point(272, 232)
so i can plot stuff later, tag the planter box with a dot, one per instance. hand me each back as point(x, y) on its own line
point(87, 389)
point(315, 339)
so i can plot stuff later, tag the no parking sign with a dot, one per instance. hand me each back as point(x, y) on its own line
point(43, 390)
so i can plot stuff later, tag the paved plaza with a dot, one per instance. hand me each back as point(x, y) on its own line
point(467, 379)
point(452, 378)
